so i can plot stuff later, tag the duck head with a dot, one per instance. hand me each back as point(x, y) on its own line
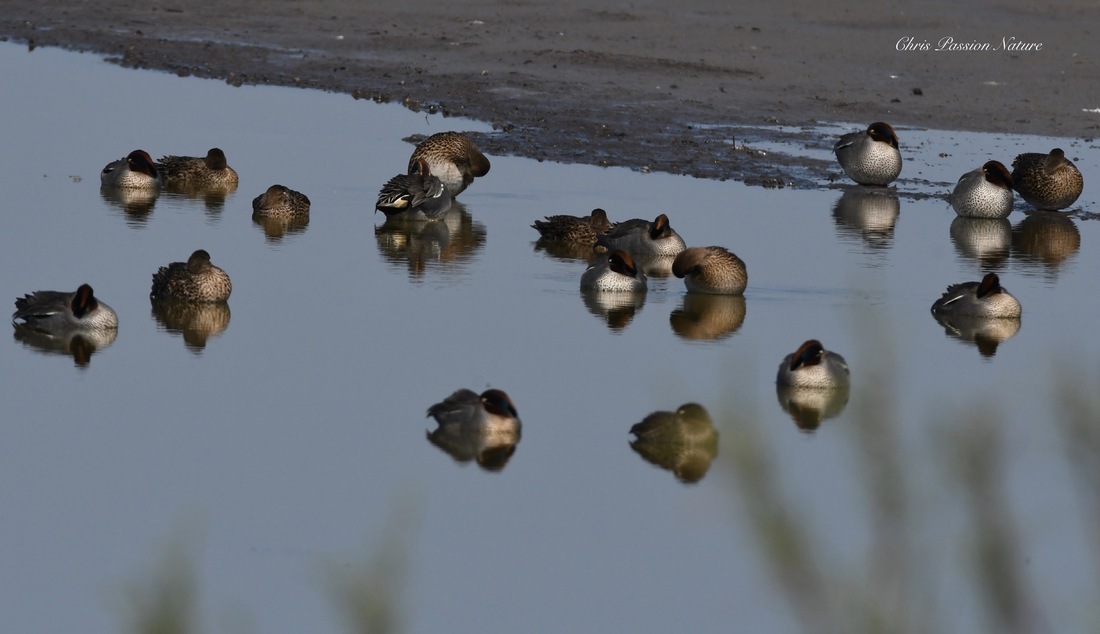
point(497, 402)
point(84, 301)
point(660, 228)
point(198, 261)
point(215, 159)
point(883, 133)
point(621, 262)
point(140, 161)
point(990, 285)
point(996, 173)
point(809, 353)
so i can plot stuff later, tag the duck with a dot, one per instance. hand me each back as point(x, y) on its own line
point(452, 157)
point(812, 366)
point(711, 270)
point(280, 202)
point(643, 239)
point(62, 312)
point(420, 195)
point(576, 229)
point(978, 299)
point(614, 272)
point(1048, 182)
point(196, 280)
point(984, 193)
point(690, 422)
point(135, 171)
point(211, 170)
point(871, 156)
point(467, 408)
point(684, 442)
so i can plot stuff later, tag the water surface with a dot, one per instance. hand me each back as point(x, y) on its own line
point(288, 439)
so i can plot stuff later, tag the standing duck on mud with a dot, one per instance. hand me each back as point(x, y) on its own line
point(871, 156)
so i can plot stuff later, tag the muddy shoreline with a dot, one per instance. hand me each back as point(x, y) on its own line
point(686, 90)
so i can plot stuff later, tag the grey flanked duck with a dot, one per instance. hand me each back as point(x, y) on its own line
point(978, 299)
point(643, 239)
point(196, 280)
point(134, 171)
point(419, 196)
point(452, 157)
point(871, 156)
point(812, 366)
point(614, 272)
point(1047, 181)
point(64, 312)
point(483, 427)
point(984, 193)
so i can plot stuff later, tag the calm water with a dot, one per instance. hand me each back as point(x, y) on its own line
point(290, 440)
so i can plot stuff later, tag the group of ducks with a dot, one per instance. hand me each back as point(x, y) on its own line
point(444, 165)
point(208, 174)
point(64, 315)
point(80, 322)
point(1048, 182)
point(485, 428)
point(624, 251)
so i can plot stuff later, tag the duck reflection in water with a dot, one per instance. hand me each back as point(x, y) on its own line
point(213, 198)
point(810, 406)
point(275, 229)
point(704, 317)
point(448, 243)
point(868, 215)
point(616, 310)
point(196, 322)
point(684, 442)
point(1045, 240)
point(985, 241)
point(78, 345)
point(481, 427)
point(984, 332)
point(136, 204)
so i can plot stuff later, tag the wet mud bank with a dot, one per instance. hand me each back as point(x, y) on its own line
point(687, 90)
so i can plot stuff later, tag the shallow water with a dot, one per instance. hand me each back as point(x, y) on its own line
point(290, 434)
